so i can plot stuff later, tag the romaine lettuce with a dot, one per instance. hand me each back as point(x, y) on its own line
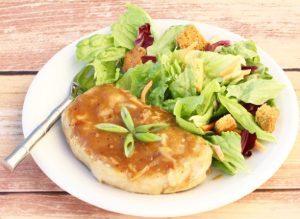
point(87, 49)
point(172, 65)
point(188, 105)
point(225, 67)
point(85, 80)
point(197, 109)
point(105, 72)
point(125, 30)
point(206, 108)
point(101, 55)
point(230, 143)
point(111, 54)
point(188, 81)
point(167, 42)
point(157, 95)
point(247, 49)
point(255, 91)
point(136, 78)
point(181, 108)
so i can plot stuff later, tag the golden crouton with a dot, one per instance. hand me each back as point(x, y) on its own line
point(133, 58)
point(266, 117)
point(226, 123)
point(191, 37)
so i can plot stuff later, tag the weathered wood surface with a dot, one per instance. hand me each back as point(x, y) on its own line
point(32, 31)
point(261, 204)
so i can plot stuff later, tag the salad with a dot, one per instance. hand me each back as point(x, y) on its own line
point(216, 89)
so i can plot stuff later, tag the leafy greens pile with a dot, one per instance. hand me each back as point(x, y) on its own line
point(197, 87)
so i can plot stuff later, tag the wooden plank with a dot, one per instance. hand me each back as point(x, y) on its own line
point(28, 176)
point(266, 204)
point(33, 31)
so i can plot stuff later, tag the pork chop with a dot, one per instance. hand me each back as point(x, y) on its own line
point(176, 163)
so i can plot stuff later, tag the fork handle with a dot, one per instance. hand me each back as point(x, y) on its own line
point(23, 149)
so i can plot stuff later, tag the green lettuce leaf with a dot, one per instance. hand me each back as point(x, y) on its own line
point(189, 105)
point(189, 126)
point(247, 49)
point(208, 94)
point(102, 58)
point(203, 119)
point(255, 91)
point(112, 54)
point(85, 80)
point(177, 78)
point(105, 72)
point(219, 112)
point(136, 78)
point(230, 144)
point(225, 67)
point(244, 118)
point(263, 71)
point(206, 108)
point(181, 107)
point(157, 94)
point(159, 90)
point(167, 42)
point(106, 65)
point(125, 30)
point(172, 65)
point(89, 48)
point(186, 83)
point(169, 105)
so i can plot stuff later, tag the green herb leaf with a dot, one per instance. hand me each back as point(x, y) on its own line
point(151, 127)
point(147, 137)
point(129, 145)
point(141, 133)
point(111, 128)
point(127, 119)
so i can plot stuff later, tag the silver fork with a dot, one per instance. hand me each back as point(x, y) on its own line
point(23, 149)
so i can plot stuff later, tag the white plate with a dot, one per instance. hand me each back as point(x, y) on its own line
point(54, 157)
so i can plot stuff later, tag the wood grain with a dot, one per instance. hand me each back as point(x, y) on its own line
point(28, 176)
point(273, 204)
point(33, 31)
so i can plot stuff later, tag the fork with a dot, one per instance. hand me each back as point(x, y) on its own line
point(24, 148)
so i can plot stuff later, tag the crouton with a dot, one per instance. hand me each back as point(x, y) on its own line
point(266, 117)
point(191, 37)
point(133, 58)
point(226, 123)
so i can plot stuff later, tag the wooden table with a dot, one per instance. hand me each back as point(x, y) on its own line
point(32, 31)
